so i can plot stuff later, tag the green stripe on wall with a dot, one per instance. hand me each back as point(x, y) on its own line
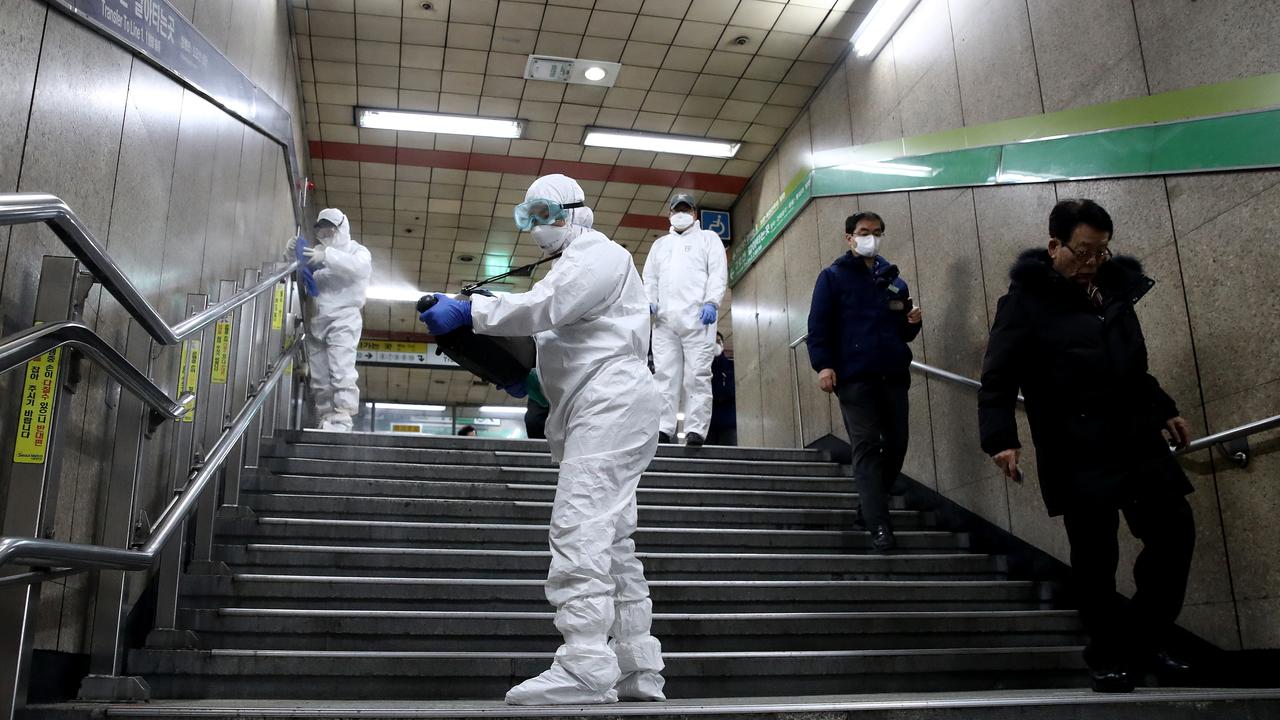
point(1230, 142)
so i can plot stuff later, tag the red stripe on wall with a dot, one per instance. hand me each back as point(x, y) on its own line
point(359, 152)
point(649, 222)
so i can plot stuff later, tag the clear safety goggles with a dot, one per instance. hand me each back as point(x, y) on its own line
point(325, 230)
point(540, 211)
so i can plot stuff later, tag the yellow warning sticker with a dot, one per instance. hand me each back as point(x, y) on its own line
point(221, 352)
point(35, 414)
point(399, 427)
point(189, 375)
point(277, 308)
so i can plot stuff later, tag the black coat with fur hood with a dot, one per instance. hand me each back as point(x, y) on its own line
point(1095, 411)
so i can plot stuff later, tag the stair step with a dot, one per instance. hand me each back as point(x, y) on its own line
point(1061, 704)
point(399, 440)
point(838, 481)
point(506, 458)
point(527, 536)
point(431, 675)
point(513, 491)
point(650, 514)
point(373, 592)
point(457, 631)
point(272, 558)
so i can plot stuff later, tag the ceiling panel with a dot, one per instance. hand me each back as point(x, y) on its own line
point(729, 69)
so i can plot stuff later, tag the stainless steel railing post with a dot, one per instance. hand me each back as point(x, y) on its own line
point(215, 405)
point(32, 471)
point(241, 373)
point(192, 376)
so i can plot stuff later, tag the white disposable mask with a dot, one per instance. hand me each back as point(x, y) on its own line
point(551, 238)
point(719, 349)
point(867, 245)
point(681, 221)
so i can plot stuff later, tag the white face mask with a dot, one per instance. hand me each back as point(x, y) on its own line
point(681, 221)
point(551, 238)
point(866, 245)
point(719, 349)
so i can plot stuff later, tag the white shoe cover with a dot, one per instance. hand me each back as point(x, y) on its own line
point(336, 424)
point(644, 685)
point(592, 684)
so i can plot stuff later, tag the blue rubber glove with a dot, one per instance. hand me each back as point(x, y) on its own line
point(516, 389)
point(708, 314)
point(447, 315)
point(653, 309)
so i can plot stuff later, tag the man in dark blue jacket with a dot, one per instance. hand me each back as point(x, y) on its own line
point(860, 322)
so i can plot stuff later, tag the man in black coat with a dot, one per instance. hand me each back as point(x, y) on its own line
point(1068, 337)
point(724, 406)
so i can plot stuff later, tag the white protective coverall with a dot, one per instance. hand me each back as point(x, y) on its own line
point(334, 330)
point(684, 271)
point(589, 317)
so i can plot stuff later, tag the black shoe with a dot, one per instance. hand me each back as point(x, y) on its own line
point(859, 522)
point(694, 440)
point(663, 438)
point(1111, 681)
point(1170, 671)
point(883, 540)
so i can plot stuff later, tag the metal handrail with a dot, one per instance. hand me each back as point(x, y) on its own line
point(40, 339)
point(1204, 443)
point(66, 557)
point(21, 208)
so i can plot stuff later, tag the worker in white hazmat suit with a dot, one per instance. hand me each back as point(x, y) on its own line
point(589, 318)
point(342, 268)
point(685, 278)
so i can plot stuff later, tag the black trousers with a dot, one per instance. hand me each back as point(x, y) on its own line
point(722, 435)
point(1166, 527)
point(876, 418)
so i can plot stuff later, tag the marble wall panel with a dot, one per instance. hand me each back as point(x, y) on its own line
point(1239, 38)
point(950, 279)
point(1011, 219)
point(795, 153)
point(803, 264)
point(996, 60)
point(873, 98)
point(919, 464)
point(213, 19)
point(829, 118)
point(1087, 52)
point(1232, 268)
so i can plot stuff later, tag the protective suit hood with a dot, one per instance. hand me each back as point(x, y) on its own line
point(339, 219)
point(566, 191)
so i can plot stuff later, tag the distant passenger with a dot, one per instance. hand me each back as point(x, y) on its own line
point(1068, 337)
point(467, 431)
point(860, 322)
point(724, 406)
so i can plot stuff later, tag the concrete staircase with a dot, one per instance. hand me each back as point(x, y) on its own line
point(391, 576)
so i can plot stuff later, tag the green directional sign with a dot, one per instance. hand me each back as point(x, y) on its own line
point(775, 221)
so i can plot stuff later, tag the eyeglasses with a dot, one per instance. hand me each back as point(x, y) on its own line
point(877, 233)
point(1085, 256)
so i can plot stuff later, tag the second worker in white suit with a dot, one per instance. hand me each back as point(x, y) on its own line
point(685, 277)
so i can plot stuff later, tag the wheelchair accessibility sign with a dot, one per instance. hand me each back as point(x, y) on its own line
point(717, 221)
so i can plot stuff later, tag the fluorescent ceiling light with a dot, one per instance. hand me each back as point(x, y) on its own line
point(660, 142)
point(880, 24)
point(399, 406)
point(439, 123)
point(501, 410)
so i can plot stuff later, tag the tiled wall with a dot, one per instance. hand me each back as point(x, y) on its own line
point(1212, 322)
point(182, 194)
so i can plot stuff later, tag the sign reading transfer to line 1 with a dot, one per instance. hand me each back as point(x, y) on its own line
point(401, 354)
point(775, 221)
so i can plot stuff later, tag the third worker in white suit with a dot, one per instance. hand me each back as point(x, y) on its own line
point(685, 277)
point(589, 320)
point(342, 268)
